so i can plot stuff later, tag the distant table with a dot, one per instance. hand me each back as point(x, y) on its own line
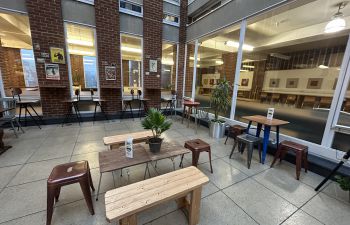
point(97, 102)
point(110, 161)
point(24, 104)
point(118, 140)
point(262, 120)
point(190, 105)
point(73, 103)
point(3, 147)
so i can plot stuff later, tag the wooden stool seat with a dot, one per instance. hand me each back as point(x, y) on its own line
point(301, 154)
point(197, 146)
point(234, 131)
point(65, 174)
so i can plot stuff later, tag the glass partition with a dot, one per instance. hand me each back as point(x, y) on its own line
point(82, 58)
point(168, 76)
point(131, 51)
point(290, 64)
point(17, 64)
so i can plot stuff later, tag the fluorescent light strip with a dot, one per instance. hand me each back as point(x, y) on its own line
point(80, 42)
point(80, 52)
point(235, 44)
point(192, 58)
point(248, 66)
point(129, 49)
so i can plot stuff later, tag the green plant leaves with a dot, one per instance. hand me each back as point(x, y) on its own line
point(220, 98)
point(156, 121)
point(344, 182)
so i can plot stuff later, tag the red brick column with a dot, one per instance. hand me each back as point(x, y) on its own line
point(182, 45)
point(152, 49)
point(46, 22)
point(229, 67)
point(108, 48)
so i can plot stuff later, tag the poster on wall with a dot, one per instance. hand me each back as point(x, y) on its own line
point(57, 55)
point(292, 83)
point(314, 83)
point(153, 66)
point(52, 71)
point(111, 73)
point(245, 82)
point(274, 83)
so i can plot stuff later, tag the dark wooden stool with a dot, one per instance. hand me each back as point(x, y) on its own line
point(65, 174)
point(234, 131)
point(301, 153)
point(197, 146)
point(249, 140)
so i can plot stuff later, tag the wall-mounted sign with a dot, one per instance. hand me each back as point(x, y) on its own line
point(270, 113)
point(111, 73)
point(36, 46)
point(40, 60)
point(153, 66)
point(57, 55)
point(45, 54)
point(52, 71)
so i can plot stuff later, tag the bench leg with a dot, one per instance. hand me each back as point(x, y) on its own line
point(130, 220)
point(195, 206)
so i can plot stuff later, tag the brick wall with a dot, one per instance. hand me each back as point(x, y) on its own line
point(189, 70)
point(152, 46)
point(45, 18)
point(182, 45)
point(108, 47)
point(229, 66)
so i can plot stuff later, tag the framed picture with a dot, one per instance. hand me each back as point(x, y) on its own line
point(274, 83)
point(245, 82)
point(57, 55)
point(153, 66)
point(111, 73)
point(314, 83)
point(292, 82)
point(205, 81)
point(52, 71)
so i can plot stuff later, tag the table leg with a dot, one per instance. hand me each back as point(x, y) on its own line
point(103, 112)
point(266, 142)
point(99, 185)
point(258, 130)
point(183, 114)
point(39, 117)
point(277, 136)
point(132, 115)
point(95, 111)
point(195, 206)
point(31, 116)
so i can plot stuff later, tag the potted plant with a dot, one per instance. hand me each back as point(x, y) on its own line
point(344, 183)
point(155, 121)
point(219, 101)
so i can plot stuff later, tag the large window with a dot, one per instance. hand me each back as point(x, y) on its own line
point(131, 7)
point(168, 76)
point(131, 51)
point(18, 68)
point(82, 58)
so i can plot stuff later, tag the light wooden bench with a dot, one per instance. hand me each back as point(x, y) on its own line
point(114, 142)
point(184, 186)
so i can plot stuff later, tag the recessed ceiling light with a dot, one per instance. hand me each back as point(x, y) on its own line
point(323, 67)
point(236, 45)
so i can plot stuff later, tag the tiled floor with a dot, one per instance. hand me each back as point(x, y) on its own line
point(235, 194)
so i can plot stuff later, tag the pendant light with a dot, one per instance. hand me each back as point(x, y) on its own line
point(337, 23)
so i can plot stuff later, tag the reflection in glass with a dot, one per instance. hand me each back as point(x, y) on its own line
point(131, 51)
point(168, 76)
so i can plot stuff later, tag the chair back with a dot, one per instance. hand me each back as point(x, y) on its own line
point(77, 94)
point(92, 94)
point(8, 103)
point(139, 93)
point(16, 92)
point(132, 92)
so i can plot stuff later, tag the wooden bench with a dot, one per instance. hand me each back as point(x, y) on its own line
point(114, 142)
point(184, 186)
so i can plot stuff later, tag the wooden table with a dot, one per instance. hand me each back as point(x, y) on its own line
point(110, 161)
point(3, 147)
point(117, 140)
point(190, 105)
point(262, 120)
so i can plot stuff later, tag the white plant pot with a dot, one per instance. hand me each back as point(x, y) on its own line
point(216, 129)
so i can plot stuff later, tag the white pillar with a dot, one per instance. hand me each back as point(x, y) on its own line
point(194, 70)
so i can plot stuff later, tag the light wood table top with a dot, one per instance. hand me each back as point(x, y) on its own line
point(116, 159)
point(118, 140)
point(263, 120)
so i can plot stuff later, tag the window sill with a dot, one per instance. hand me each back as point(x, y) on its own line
point(129, 12)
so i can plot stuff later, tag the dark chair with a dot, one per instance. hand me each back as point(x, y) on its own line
point(10, 114)
point(97, 102)
point(197, 146)
point(249, 140)
point(234, 131)
point(66, 174)
point(301, 154)
point(291, 100)
point(128, 104)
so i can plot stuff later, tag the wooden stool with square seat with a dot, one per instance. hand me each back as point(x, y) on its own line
point(197, 146)
point(234, 131)
point(66, 174)
point(301, 153)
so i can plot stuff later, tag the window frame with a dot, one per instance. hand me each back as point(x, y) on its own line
point(174, 2)
point(169, 22)
point(131, 12)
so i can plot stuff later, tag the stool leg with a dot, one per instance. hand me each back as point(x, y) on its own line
point(306, 163)
point(259, 147)
point(181, 162)
point(211, 167)
point(277, 155)
point(228, 133)
point(233, 148)
point(85, 187)
point(57, 193)
point(50, 202)
point(298, 158)
point(98, 188)
point(195, 157)
point(91, 183)
point(250, 154)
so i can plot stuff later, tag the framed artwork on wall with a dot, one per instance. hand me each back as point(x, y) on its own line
point(292, 82)
point(314, 83)
point(57, 55)
point(245, 82)
point(274, 83)
point(111, 73)
point(52, 72)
